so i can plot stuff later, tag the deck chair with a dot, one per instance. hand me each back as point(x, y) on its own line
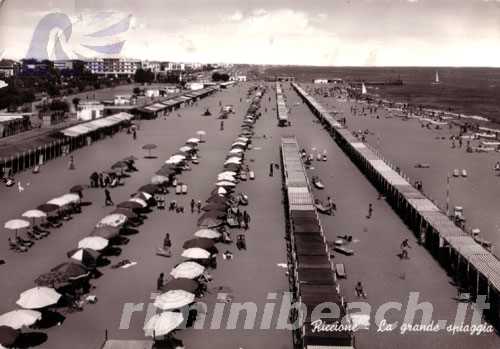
point(340, 270)
point(344, 250)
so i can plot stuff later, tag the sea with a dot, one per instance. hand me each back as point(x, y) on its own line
point(470, 91)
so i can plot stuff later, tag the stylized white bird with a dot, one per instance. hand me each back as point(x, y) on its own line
point(89, 34)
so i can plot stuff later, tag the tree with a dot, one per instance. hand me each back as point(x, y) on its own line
point(216, 76)
point(76, 101)
point(144, 76)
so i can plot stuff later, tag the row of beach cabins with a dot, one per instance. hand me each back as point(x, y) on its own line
point(35, 152)
point(312, 277)
point(281, 107)
point(474, 269)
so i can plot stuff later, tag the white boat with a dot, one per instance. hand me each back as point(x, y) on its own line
point(464, 173)
point(436, 80)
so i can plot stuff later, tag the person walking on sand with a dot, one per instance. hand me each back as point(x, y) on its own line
point(192, 204)
point(167, 245)
point(108, 201)
point(222, 125)
point(159, 282)
point(271, 169)
point(404, 249)
point(71, 165)
point(198, 206)
point(360, 292)
point(370, 211)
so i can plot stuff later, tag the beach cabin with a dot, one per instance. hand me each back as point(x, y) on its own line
point(89, 110)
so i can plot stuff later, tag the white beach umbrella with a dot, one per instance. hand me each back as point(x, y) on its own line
point(207, 233)
point(185, 149)
point(221, 191)
point(34, 214)
point(236, 151)
point(201, 133)
point(38, 297)
point(193, 141)
point(226, 178)
point(95, 243)
point(146, 195)
point(225, 184)
point(244, 144)
point(114, 220)
point(139, 201)
point(233, 160)
point(163, 323)
point(230, 173)
point(70, 198)
point(159, 179)
point(20, 318)
point(16, 224)
point(174, 299)
point(195, 253)
point(60, 201)
point(188, 270)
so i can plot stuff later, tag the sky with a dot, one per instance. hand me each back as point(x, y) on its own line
point(306, 32)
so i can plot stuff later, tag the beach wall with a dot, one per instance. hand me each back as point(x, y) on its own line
point(474, 269)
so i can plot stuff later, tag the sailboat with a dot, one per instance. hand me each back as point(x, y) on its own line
point(363, 89)
point(436, 81)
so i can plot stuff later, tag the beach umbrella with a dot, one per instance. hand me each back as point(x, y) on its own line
point(215, 206)
point(221, 191)
point(185, 149)
point(163, 323)
point(20, 318)
point(120, 165)
point(139, 201)
point(195, 253)
point(187, 285)
point(209, 220)
point(33, 214)
point(228, 173)
point(226, 178)
point(193, 141)
point(149, 188)
point(69, 198)
point(76, 189)
point(143, 196)
point(175, 159)
point(126, 212)
point(52, 279)
point(174, 299)
point(130, 158)
point(38, 297)
point(85, 256)
point(47, 208)
point(201, 133)
point(236, 151)
point(129, 205)
point(58, 201)
point(149, 147)
point(207, 233)
point(71, 270)
point(8, 336)
point(113, 220)
point(188, 270)
point(225, 184)
point(16, 224)
point(105, 231)
point(159, 179)
point(232, 167)
point(233, 160)
point(200, 242)
point(95, 243)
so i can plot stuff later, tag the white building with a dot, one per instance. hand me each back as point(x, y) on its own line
point(173, 66)
point(155, 67)
point(193, 86)
point(320, 81)
point(90, 110)
point(152, 93)
point(123, 100)
point(113, 66)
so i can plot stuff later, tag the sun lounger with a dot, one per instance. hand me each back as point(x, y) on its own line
point(344, 250)
point(184, 189)
point(340, 270)
point(318, 184)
